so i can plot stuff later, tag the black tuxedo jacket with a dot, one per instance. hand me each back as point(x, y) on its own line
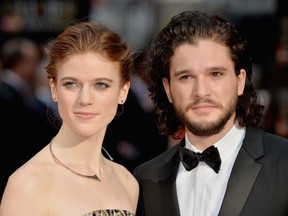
point(258, 185)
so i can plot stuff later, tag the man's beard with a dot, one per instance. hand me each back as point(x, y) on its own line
point(206, 128)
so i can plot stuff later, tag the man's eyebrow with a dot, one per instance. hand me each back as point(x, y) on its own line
point(219, 68)
point(178, 73)
point(212, 68)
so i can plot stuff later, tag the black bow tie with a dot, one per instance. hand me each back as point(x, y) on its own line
point(191, 159)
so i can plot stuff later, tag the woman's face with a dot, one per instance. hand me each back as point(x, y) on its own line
point(88, 91)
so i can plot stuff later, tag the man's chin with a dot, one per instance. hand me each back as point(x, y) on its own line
point(204, 128)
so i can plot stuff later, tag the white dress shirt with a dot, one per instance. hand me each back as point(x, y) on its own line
point(201, 191)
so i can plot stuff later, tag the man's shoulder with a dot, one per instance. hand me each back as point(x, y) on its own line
point(272, 143)
point(276, 141)
point(153, 165)
point(267, 137)
point(6, 91)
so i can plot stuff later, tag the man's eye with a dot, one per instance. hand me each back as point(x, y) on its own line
point(185, 77)
point(216, 74)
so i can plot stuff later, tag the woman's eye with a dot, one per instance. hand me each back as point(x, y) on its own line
point(70, 84)
point(102, 85)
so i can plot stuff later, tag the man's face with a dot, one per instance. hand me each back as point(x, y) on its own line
point(204, 87)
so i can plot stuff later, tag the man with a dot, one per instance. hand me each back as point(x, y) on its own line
point(200, 78)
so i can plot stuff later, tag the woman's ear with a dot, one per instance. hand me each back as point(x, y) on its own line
point(124, 93)
point(53, 89)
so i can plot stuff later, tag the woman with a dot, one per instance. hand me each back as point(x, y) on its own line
point(88, 71)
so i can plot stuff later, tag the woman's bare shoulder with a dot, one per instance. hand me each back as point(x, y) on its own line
point(124, 174)
point(27, 185)
point(127, 179)
point(32, 173)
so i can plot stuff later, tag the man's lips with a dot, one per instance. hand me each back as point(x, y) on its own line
point(203, 107)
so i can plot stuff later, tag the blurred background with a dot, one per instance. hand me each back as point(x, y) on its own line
point(132, 138)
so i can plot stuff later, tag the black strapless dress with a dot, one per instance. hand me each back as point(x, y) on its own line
point(109, 212)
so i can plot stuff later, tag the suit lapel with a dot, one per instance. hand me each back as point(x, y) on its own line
point(167, 182)
point(244, 174)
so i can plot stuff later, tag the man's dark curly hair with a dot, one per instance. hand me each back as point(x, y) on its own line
point(189, 27)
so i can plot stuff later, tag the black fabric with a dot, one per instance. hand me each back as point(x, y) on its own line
point(191, 159)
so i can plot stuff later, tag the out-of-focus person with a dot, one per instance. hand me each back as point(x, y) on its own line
point(25, 127)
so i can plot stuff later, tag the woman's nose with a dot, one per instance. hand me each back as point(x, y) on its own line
point(86, 96)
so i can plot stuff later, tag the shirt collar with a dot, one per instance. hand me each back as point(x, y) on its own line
point(227, 145)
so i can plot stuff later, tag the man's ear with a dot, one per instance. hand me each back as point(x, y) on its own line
point(166, 85)
point(241, 81)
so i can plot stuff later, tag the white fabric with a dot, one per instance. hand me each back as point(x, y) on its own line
point(201, 191)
